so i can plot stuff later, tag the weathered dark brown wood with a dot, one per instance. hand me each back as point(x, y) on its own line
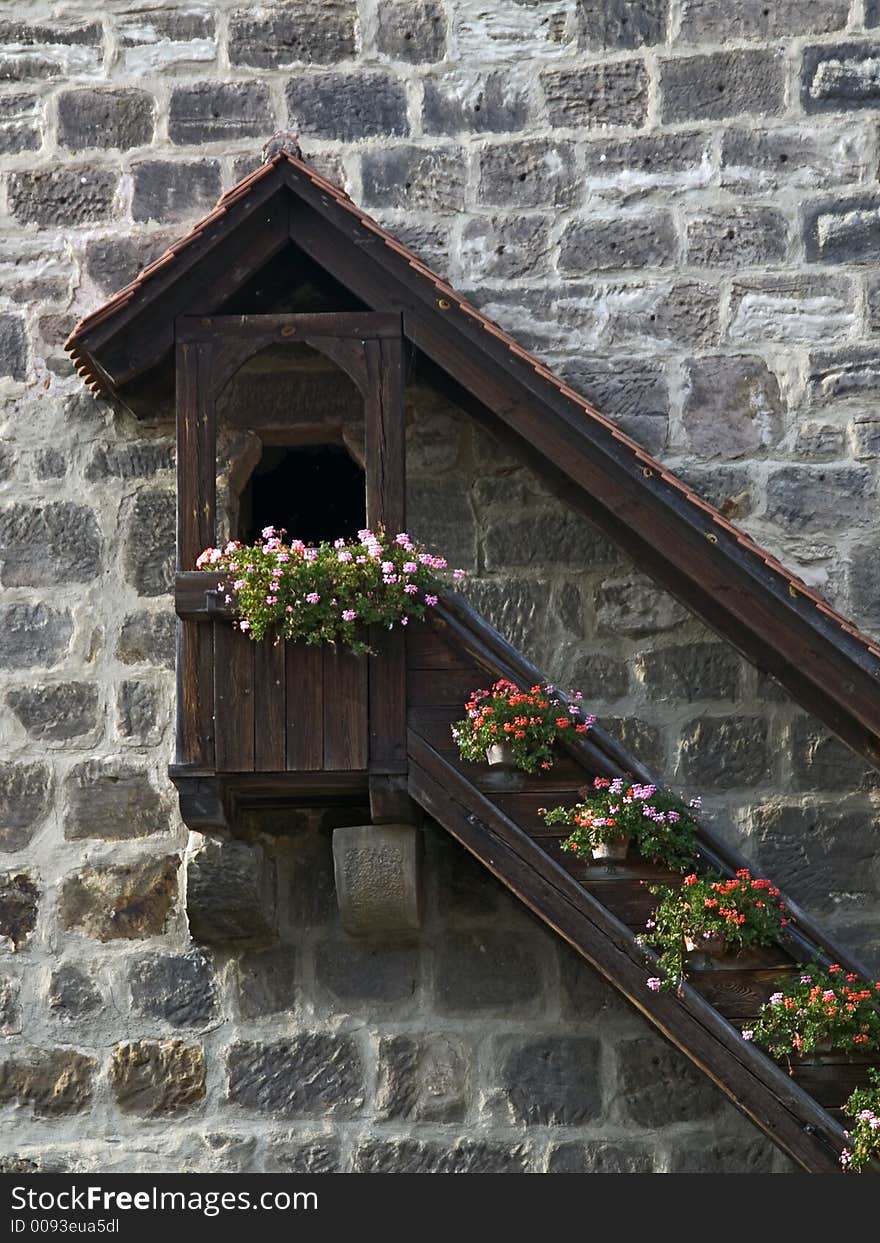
point(270, 706)
point(791, 1118)
point(832, 1078)
point(234, 700)
point(739, 994)
point(346, 739)
point(439, 687)
point(304, 679)
point(196, 501)
point(354, 325)
point(428, 648)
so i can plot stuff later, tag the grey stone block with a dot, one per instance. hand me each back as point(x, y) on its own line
point(111, 800)
point(128, 901)
point(517, 607)
point(468, 889)
point(276, 37)
point(19, 902)
point(149, 542)
point(643, 240)
point(666, 314)
point(33, 635)
point(219, 111)
point(422, 1078)
point(840, 77)
point(62, 197)
point(289, 1155)
point(690, 671)
point(266, 981)
point(157, 1078)
point(411, 30)
point(412, 1156)
point(732, 406)
point(46, 545)
point(459, 101)
point(843, 230)
point(548, 538)
point(112, 262)
point(601, 678)
point(19, 128)
point(364, 975)
point(439, 513)
point(826, 856)
point(105, 118)
point(737, 237)
point(13, 347)
point(139, 710)
point(147, 638)
point(230, 892)
point(51, 1082)
point(56, 712)
point(635, 396)
point(630, 168)
point(633, 606)
point(723, 1156)
point(378, 878)
point(844, 375)
point(706, 21)
point(135, 460)
point(820, 761)
point(601, 1157)
point(505, 247)
point(593, 96)
point(73, 996)
point(485, 970)
point(10, 1010)
point(24, 801)
point(313, 1074)
point(348, 106)
point(416, 178)
point(552, 1081)
point(621, 24)
point(791, 307)
point(722, 84)
point(527, 173)
point(755, 159)
point(641, 738)
point(724, 753)
point(819, 499)
point(167, 191)
point(176, 988)
point(657, 1085)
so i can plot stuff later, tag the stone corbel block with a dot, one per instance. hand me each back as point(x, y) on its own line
point(230, 892)
point(378, 878)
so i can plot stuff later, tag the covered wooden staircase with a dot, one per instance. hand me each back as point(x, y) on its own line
point(600, 908)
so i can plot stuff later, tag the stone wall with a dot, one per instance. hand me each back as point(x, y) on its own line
point(674, 205)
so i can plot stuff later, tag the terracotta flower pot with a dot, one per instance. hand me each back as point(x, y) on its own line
point(715, 945)
point(615, 849)
point(500, 756)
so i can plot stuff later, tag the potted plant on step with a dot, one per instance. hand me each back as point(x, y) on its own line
point(325, 593)
point(711, 915)
point(615, 813)
point(819, 1010)
point(509, 728)
point(864, 1136)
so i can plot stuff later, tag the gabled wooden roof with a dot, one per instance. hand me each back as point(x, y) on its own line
point(683, 543)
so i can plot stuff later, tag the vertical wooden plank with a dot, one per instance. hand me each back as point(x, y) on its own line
point(386, 509)
point(304, 678)
point(346, 741)
point(270, 716)
point(196, 488)
point(234, 699)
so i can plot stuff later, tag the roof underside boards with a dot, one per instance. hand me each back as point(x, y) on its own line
point(736, 587)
